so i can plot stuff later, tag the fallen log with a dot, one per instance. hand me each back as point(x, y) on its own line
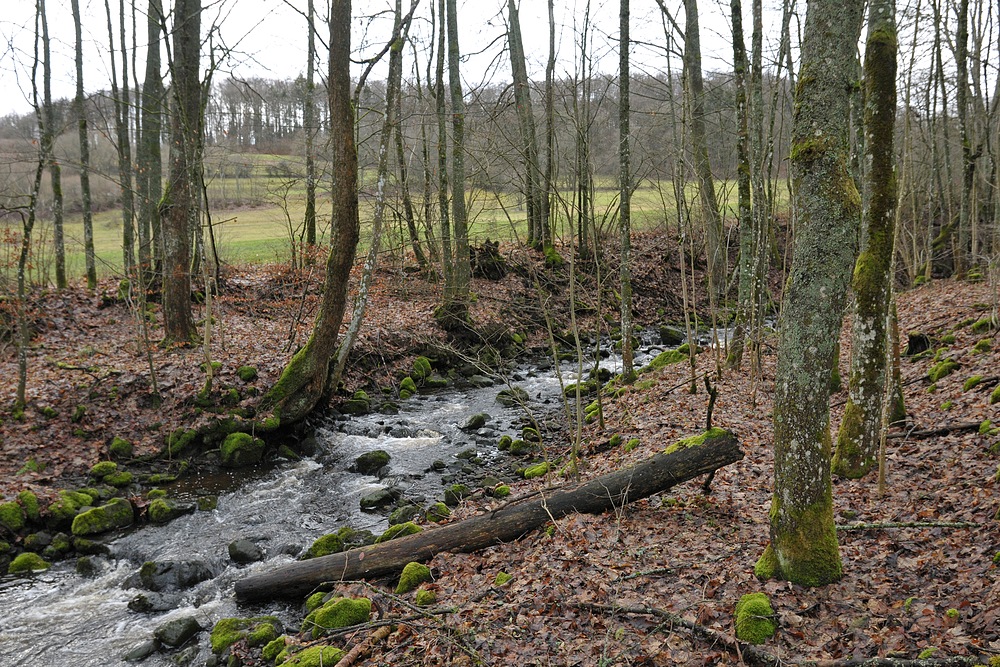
point(683, 461)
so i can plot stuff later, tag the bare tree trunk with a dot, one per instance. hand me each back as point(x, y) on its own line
point(625, 191)
point(859, 435)
point(550, 133)
point(309, 120)
point(47, 139)
point(149, 168)
point(85, 196)
point(963, 242)
point(123, 147)
point(803, 547)
point(448, 256)
point(744, 210)
point(305, 380)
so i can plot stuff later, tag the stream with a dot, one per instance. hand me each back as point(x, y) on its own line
point(61, 618)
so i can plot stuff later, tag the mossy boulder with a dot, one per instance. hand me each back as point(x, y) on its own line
point(425, 597)
point(116, 514)
point(474, 422)
point(405, 513)
point(332, 543)
point(240, 450)
point(120, 479)
point(121, 448)
point(501, 491)
point(258, 631)
point(164, 510)
point(399, 530)
point(942, 369)
point(314, 656)
point(12, 516)
point(359, 404)
point(102, 469)
point(437, 512)
point(421, 369)
point(178, 631)
point(336, 613)
point(412, 576)
point(29, 504)
point(667, 358)
point(521, 447)
point(27, 562)
point(370, 463)
point(181, 442)
point(754, 619)
point(247, 373)
point(62, 511)
point(454, 494)
point(512, 397)
point(503, 444)
point(379, 498)
point(407, 388)
point(537, 470)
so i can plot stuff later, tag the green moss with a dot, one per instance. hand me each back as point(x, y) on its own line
point(330, 544)
point(982, 347)
point(504, 443)
point(161, 478)
point(421, 368)
point(953, 614)
point(666, 358)
point(63, 510)
point(257, 631)
point(119, 480)
point(412, 576)
point(512, 397)
point(78, 414)
point(809, 552)
point(995, 395)
point(521, 447)
point(27, 562)
point(948, 339)
point(181, 441)
point(501, 491)
point(454, 494)
point(337, 613)
point(153, 494)
point(273, 648)
point(942, 369)
point(425, 597)
point(948, 405)
point(537, 470)
point(983, 325)
point(615, 440)
point(631, 444)
point(927, 653)
point(241, 449)
point(754, 619)
point(314, 656)
point(553, 260)
point(29, 503)
point(438, 512)
point(116, 514)
point(247, 373)
point(121, 448)
point(697, 440)
point(399, 530)
point(920, 280)
point(407, 388)
point(31, 465)
point(12, 516)
point(503, 578)
point(972, 382)
point(49, 412)
point(932, 388)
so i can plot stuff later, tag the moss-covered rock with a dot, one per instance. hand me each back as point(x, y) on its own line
point(29, 503)
point(181, 442)
point(399, 530)
point(240, 450)
point(501, 491)
point(102, 469)
point(537, 470)
point(359, 404)
point(972, 382)
point(370, 463)
point(12, 516)
point(314, 656)
point(437, 512)
point(421, 369)
point(405, 513)
point(116, 514)
point(667, 358)
point(119, 479)
point(27, 562)
point(754, 619)
point(247, 373)
point(121, 448)
point(454, 494)
point(336, 613)
point(425, 597)
point(512, 397)
point(521, 447)
point(258, 631)
point(273, 648)
point(982, 347)
point(331, 543)
point(412, 576)
point(164, 510)
point(62, 511)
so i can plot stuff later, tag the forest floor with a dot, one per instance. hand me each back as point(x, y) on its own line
point(592, 589)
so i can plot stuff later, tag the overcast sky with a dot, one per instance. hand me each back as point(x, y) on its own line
point(267, 38)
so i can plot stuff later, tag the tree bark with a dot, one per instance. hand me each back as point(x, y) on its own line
point(803, 546)
point(48, 147)
point(859, 434)
point(508, 522)
point(625, 190)
point(149, 169)
point(304, 381)
point(81, 115)
point(309, 120)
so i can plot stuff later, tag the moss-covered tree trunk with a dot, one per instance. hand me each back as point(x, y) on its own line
point(858, 437)
point(304, 381)
point(803, 547)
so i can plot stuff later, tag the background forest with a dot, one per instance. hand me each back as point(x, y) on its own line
point(777, 266)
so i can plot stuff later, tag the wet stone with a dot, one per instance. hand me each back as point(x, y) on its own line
point(176, 632)
point(140, 652)
point(245, 551)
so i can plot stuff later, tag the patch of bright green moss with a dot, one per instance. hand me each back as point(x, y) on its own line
point(337, 613)
point(615, 440)
point(27, 562)
point(102, 469)
point(504, 443)
point(121, 448)
point(399, 530)
point(412, 576)
point(948, 405)
point(273, 648)
point(503, 578)
point(421, 368)
point(982, 347)
point(330, 544)
point(983, 325)
point(972, 382)
point(241, 449)
point(119, 479)
point(439, 511)
point(314, 656)
point(631, 444)
point(942, 369)
point(754, 620)
point(995, 396)
point(696, 440)
point(116, 514)
point(180, 441)
point(667, 358)
point(537, 470)
point(29, 503)
point(257, 631)
point(425, 597)
point(948, 339)
point(407, 388)
point(12, 516)
point(501, 491)
point(247, 373)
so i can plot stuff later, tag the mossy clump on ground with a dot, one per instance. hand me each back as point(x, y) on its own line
point(982, 326)
point(438, 512)
point(314, 656)
point(407, 388)
point(62, 511)
point(421, 369)
point(399, 530)
point(667, 358)
point(102, 469)
point(121, 448)
point(29, 504)
point(972, 382)
point(12, 516)
point(697, 440)
point(336, 613)
point(257, 631)
point(501, 491)
point(942, 369)
point(331, 544)
point(995, 396)
point(982, 347)
point(503, 578)
point(241, 449)
point(119, 479)
point(633, 443)
point(247, 373)
point(504, 443)
point(522, 447)
point(181, 441)
point(454, 494)
point(412, 576)
point(425, 597)
point(27, 562)
point(537, 470)
point(754, 619)
point(116, 514)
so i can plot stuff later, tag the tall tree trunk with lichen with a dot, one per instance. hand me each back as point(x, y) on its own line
point(803, 547)
point(695, 88)
point(180, 204)
point(743, 208)
point(858, 438)
point(625, 191)
point(123, 145)
point(90, 257)
point(309, 121)
point(47, 139)
point(305, 379)
point(149, 170)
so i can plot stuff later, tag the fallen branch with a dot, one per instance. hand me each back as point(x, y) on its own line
point(909, 524)
point(365, 647)
point(943, 430)
point(507, 523)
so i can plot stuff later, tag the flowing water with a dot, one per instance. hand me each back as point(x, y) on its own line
point(58, 618)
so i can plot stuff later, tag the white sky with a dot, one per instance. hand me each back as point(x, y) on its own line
point(268, 38)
